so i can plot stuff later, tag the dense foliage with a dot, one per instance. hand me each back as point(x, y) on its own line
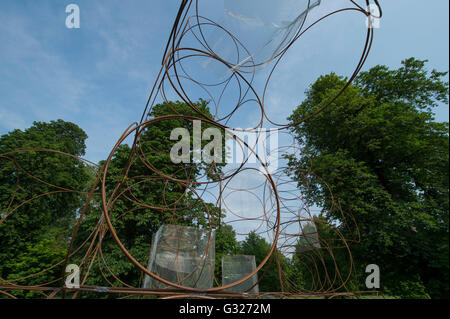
point(150, 200)
point(35, 235)
point(385, 160)
point(268, 276)
point(377, 153)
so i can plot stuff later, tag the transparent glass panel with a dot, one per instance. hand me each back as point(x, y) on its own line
point(237, 267)
point(182, 255)
point(309, 238)
point(266, 27)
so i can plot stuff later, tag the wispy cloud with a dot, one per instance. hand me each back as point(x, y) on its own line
point(34, 78)
point(255, 22)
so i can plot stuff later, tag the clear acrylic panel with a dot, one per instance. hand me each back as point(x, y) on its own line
point(182, 255)
point(309, 238)
point(237, 267)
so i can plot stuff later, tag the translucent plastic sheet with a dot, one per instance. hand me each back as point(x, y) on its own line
point(237, 267)
point(182, 255)
point(266, 27)
point(309, 238)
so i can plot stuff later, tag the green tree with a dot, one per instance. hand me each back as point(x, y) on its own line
point(226, 244)
point(149, 199)
point(385, 159)
point(35, 235)
point(321, 261)
point(260, 248)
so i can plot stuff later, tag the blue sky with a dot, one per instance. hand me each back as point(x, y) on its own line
point(99, 76)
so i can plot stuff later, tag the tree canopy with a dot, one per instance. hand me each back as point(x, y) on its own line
point(268, 276)
point(150, 199)
point(384, 158)
point(40, 193)
point(376, 153)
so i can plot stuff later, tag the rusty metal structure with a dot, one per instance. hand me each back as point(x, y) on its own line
point(242, 73)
